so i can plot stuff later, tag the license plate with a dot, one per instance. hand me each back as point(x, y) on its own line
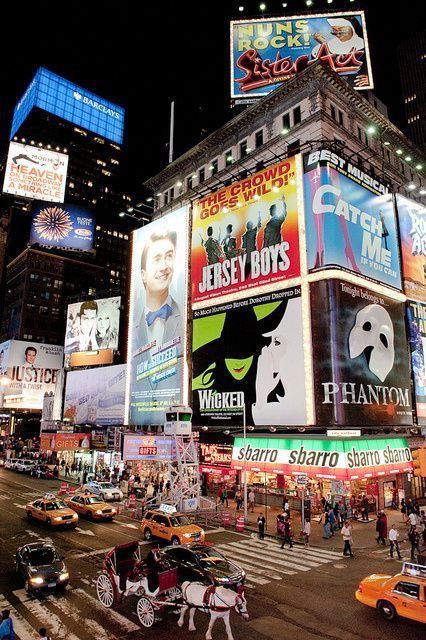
point(51, 585)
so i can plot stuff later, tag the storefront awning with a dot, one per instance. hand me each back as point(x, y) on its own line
point(324, 458)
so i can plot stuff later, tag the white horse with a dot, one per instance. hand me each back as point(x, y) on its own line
point(218, 601)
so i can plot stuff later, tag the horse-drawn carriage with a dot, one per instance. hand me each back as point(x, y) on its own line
point(124, 573)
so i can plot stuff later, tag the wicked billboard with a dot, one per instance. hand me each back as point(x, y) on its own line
point(246, 234)
point(350, 220)
point(361, 365)
point(416, 320)
point(249, 352)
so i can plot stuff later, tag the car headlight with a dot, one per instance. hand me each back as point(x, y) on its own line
point(58, 519)
point(108, 494)
point(224, 579)
point(113, 511)
point(99, 512)
point(37, 580)
point(187, 535)
point(64, 576)
point(201, 532)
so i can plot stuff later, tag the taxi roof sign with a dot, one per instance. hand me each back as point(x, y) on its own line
point(413, 570)
point(167, 508)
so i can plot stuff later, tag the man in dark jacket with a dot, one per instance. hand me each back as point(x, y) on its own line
point(382, 528)
point(287, 534)
point(261, 521)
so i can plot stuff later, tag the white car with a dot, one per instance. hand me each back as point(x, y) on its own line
point(105, 490)
point(10, 463)
point(24, 465)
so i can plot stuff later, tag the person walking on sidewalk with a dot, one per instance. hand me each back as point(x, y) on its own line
point(6, 627)
point(346, 532)
point(251, 499)
point(326, 527)
point(364, 507)
point(307, 532)
point(238, 499)
point(381, 528)
point(414, 539)
point(287, 534)
point(224, 496)
point(393, 541)
point(261, 521)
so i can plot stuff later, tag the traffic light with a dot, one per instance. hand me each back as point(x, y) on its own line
point(419, 462)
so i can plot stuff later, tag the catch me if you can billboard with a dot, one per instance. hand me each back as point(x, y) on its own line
point(68, 101)
point(268, 52)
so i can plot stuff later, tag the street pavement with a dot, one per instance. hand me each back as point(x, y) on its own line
point(302, 593)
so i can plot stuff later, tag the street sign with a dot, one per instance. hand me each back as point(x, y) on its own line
point(344, 433)
point(301, 479)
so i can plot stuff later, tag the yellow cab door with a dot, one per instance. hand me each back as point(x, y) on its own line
point(155, 526)
point(408, 600)
point(37, 511)
point(163, 527)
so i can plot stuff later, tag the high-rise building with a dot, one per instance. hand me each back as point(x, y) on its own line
point(412, 65)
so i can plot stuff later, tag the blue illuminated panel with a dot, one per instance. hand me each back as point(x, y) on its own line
point(68, 101)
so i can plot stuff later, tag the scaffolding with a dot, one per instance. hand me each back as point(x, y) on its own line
point(184, 475)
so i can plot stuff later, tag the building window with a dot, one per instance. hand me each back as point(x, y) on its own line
point(189, 182)
point(333, 112)
point(214, 166)
point(201, 175)
point(341, 118)
point(293, 148)
point(258, 138)
point(243, 148)
point(297, 115)
point(359, 132)
point(171, 194)
point(228, 158)
point(286, 121)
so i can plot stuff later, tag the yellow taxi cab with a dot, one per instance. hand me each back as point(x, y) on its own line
point(52, 511)
point(166, 523)
point(91, 506)
point(401, 595)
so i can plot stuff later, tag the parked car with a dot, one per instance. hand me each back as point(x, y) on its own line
point(175, 527)
point(105, 490)
point(401, 595)
point(40, 566)
point(198, 562)
point(24, 466)
point(10, 463)
point(42, 471)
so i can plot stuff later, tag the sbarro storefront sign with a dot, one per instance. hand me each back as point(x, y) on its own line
point(336, 459)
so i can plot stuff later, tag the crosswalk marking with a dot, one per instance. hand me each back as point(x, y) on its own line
point(248, 563)
point(247, 556)
point(281, 554)
point(123, 622)
point(56, 626)
point(86, 623)
point(23, 630)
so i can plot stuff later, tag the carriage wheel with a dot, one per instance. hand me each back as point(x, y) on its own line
point(174, 593)
point(105, 590)
point(145, 612)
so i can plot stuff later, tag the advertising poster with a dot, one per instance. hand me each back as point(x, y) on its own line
point(416, 320)
point(249, 352)
point(138, 447)
point(157, 317)
point(96, 396)
point(92, 325)
point(33, 370)
point(412, 229)
point(361, 363)
point(4, 355)
point(350, 220)
point(334, 459)
point(35, 173)
point(64, 441)
point(269, 51)
point(246, 234)
point(67, 226)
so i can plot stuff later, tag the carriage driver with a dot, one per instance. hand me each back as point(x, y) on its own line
point(153, 562)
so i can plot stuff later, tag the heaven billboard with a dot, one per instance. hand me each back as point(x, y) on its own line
point(157, 319)
point(246, 235)
point(269, 51)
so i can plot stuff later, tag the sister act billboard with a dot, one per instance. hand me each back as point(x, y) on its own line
point(246, 234)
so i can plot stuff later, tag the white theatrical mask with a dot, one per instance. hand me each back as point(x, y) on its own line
point(282, 360)
point(373, 335)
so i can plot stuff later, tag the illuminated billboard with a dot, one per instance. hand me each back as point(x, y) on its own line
point(96, 396)
point(416, 322)
point(157, 318)
point(68, 101)
point(269, 51)
point(92, 325)
point(35, 173)
point(139, 447)
point(246, 234)
point(68, 226)
point(412, 229)
point(33, 369)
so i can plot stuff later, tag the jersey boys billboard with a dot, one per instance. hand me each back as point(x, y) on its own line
point(350, 221)
point(157, 317)
point(246, 234)
point(361, 364)
point(33, 370)
point(37, 173)
point(249, 352)
point(416, 320)
point(67, 226)
point(412, 228)
point(267, 52)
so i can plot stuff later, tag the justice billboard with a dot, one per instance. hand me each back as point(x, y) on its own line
point(246, 235)
point(33, 369)
point(35, 173)
point(96, 396)
point(361, 363)
point(249, 353)
point(157, 318)
point(350, 220)
point(68, 226)
point(92, 325)
point(412, 229)
point(269, 51)
point(416, 321)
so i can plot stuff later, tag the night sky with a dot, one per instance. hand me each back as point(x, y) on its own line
point(143, 57)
